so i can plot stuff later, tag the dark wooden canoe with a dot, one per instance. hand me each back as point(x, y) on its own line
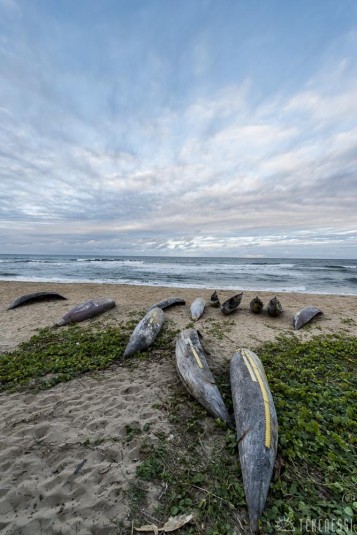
point(274, 307)
point(169, 302)
point(34, 298)
point(197, 308)
point(145, 332)
point(257, 429)
point(232, 304)
point(214, 301)
point(304, 316)
point(256, 305)
point(196, 375)
point(86, 310)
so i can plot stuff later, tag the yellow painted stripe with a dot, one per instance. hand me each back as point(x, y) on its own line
point(244, 354)
point(264, 394)
point(198, 360)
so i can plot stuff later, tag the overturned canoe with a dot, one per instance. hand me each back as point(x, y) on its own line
point(231, 304)
point(257, 429)
point(145, 332)
point(86, 310)
point(304, 316)
point(34, 298)
point(197, 308)
point(196, 375)
point(169, 302)
point(214, 301)
point(274, 307)
point(256, 305)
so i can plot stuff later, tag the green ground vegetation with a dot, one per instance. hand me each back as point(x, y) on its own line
point(57, 355)
point(195, 467)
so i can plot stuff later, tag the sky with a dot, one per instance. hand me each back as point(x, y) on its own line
point(181, 128)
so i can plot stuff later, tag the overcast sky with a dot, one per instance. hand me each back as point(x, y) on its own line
point(188, 127)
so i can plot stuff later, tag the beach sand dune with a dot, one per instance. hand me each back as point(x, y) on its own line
point(46, 487)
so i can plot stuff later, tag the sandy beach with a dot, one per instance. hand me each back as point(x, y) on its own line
point(47, 435)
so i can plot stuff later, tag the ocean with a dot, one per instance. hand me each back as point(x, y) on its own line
point(276, 275)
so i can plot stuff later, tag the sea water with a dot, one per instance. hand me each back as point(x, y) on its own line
point(276, 275)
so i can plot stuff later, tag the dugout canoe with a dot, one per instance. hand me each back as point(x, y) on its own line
point(34, 298)
point(214, 300)
point(231, 304)
point(256, 427)
point(169, 302)
point(145, 332)
point(304, 316)
point(274, 307)
point(86, 310)
point(196, 375)
point(197, 308)
point(256, 305)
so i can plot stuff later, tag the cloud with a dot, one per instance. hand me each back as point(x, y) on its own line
point(81, 166)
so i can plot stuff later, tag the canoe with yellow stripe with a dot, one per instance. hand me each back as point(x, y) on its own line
point(257, 429)
point(196, 375)
point(145, 332)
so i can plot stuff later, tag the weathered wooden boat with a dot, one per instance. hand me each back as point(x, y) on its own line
point(304, 316)
point(145, 332)
point(256, 305)
point(169, 302)
point(214, 300)
point(86, 310)
point(196, 375)
point(231, 304)
point(34, 298)
point(257, 429)
point(274, 307)
point(197, 308)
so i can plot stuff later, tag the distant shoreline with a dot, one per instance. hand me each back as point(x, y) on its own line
point(173, 288)
point(326, 277)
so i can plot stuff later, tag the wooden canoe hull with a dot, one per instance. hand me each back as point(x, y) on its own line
point(257, 429)
point(196, 375)
point(197, 308)
point(87, 310)
point(274, 307)
point(34, 298)
point(214, 300)
point(231, 304)
point(169, 302)
point(304, 316)
point(145, 332)
point(256, 305)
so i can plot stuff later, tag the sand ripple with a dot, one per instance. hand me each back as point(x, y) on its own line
point(45, 437)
